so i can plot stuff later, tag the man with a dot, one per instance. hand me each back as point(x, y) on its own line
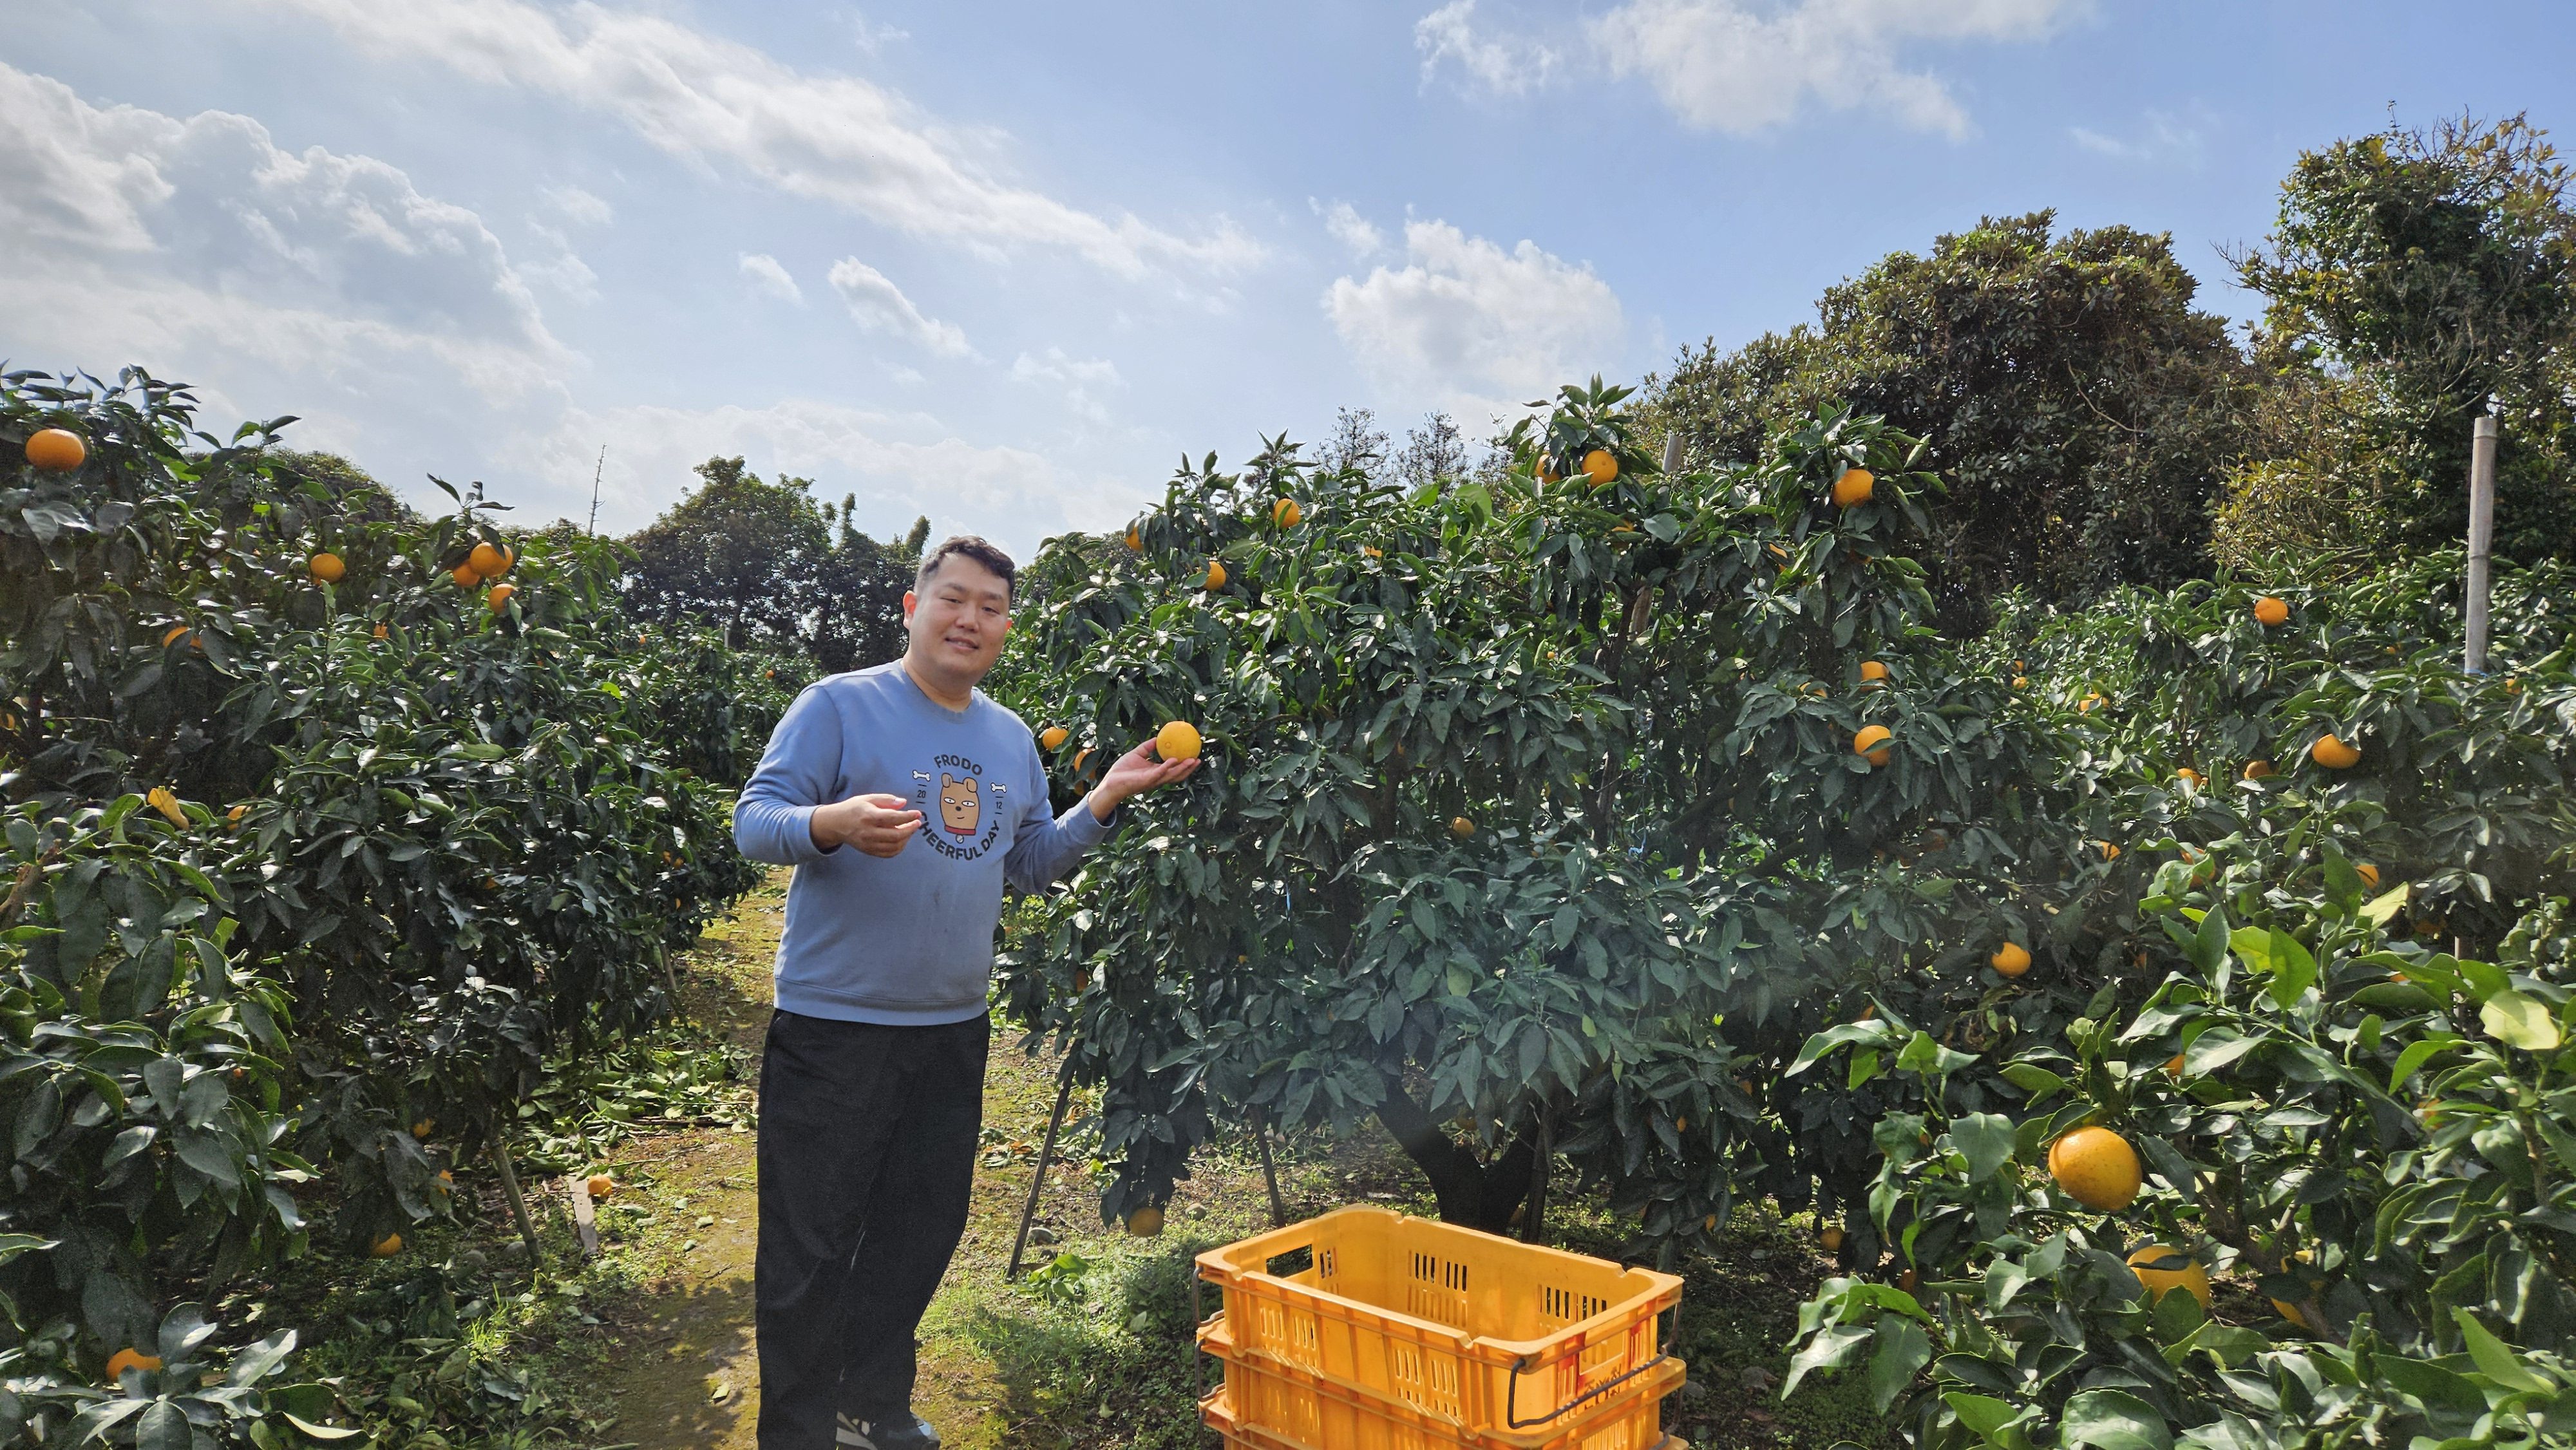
point(906, 800)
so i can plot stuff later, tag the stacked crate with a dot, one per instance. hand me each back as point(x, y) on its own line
point(1371, 1330)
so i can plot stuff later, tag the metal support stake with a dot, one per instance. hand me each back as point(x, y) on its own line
point(2482, 484)
point(1046, 1153)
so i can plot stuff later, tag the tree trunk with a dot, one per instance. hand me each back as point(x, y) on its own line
point(1470, 1194)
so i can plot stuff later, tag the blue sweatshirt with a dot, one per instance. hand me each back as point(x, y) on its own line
point(906, 941)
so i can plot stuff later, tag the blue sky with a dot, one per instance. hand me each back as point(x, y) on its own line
point(1004, 263)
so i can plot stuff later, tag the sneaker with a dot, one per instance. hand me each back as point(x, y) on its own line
point(905, 1432)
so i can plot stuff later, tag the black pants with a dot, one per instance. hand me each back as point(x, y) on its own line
point(867, 1157)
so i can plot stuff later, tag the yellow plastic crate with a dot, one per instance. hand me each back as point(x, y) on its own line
point(1500, 1342)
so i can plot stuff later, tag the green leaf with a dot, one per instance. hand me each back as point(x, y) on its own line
point(2495, 1359)
point(1997, 1422)
point(164, 1426)
point(2521, 1021)
point(1903, 1349)
point(1987, 1139)
point(1833, 1347)
point(2037, 1081)
point(321, 1432)
point(2383, 908)
point(2114, 1420)
point(2417, 1053)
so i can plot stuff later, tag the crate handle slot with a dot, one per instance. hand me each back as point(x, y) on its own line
point(1512, 1386)
point(1289, 1263)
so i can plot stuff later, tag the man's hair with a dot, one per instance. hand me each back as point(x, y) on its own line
point(970, 546)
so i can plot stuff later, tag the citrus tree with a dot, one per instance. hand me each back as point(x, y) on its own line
point(328, 829)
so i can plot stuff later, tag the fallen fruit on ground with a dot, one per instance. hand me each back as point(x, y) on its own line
point(601, 1185)
point(1177, 740)
point(2189, 1276)
point(386, 1247)
point(2097, 1168)
point(2011, 959)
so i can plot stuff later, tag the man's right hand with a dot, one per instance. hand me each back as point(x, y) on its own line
point(878, 824)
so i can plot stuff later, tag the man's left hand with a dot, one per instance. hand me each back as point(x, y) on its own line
point(1135, 773)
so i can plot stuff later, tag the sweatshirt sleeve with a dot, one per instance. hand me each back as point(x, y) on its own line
point(1048, 844)
point(773, 819)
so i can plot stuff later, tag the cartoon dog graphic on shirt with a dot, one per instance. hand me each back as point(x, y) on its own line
point(961, 804)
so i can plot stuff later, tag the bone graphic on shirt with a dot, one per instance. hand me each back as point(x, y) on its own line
point(961, 807)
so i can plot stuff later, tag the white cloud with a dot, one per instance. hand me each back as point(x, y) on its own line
point(1508, 65)
point(1350, 229)
point(2161, 137)
point(578, 207)
point(897, 464)
point(768, 276)
point(1744, 66)
point(196, 246)
point(1472, 328)
point(710, 101)
point(1077, 378)
point(878, 305)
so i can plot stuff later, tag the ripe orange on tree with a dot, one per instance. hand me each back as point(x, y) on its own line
point(1177, 740)
point(466, 578)
point(2097, 1168)
point(424, 1127)
point(2190, 1276)
point(1135, 541)
point(2368, 873)
point(1832, 1238)
point(489, 561)
point(499, 598)
point(1286, 514)
point(380, 631)
point(1145, 1222)
point(2189, 776)
point(125, 1359)
point(1462, 828)
point(1546, 469)
point(2173, 1067)
point(2110, 851)
point(1872, 672)
point(326, 567)
point(56, 450)
point(1600, 466)
point(2257, 769)
point(1872, 743)
point(1215, 574)
point(2011, 959)
point(2331, 752)
point(2271, 609)
point(1053, 736)
point(1854, 487)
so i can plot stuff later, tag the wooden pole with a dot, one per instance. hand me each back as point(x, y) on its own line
point(1269, 1171)
point(2482, 481)
point(518, 1205)
point(1534, 1211)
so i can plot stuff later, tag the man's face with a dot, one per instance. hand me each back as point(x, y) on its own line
point(957, 626)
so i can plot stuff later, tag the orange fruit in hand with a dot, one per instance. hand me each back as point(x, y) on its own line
point(499, 598)
point(2333, 754)
point(2190, 1276)
point(126, 1359)
point(1177, 740)
point(1286, 514)
point(1872, 742)
point(326, 568)
point(2011, 959)
point(1215, 575)
point(490, 562)
point(1854, 487)
point(1053, 736)
point(1600, 466)
point(2097, 1168)
point(59, 450)
point(2271, 609)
